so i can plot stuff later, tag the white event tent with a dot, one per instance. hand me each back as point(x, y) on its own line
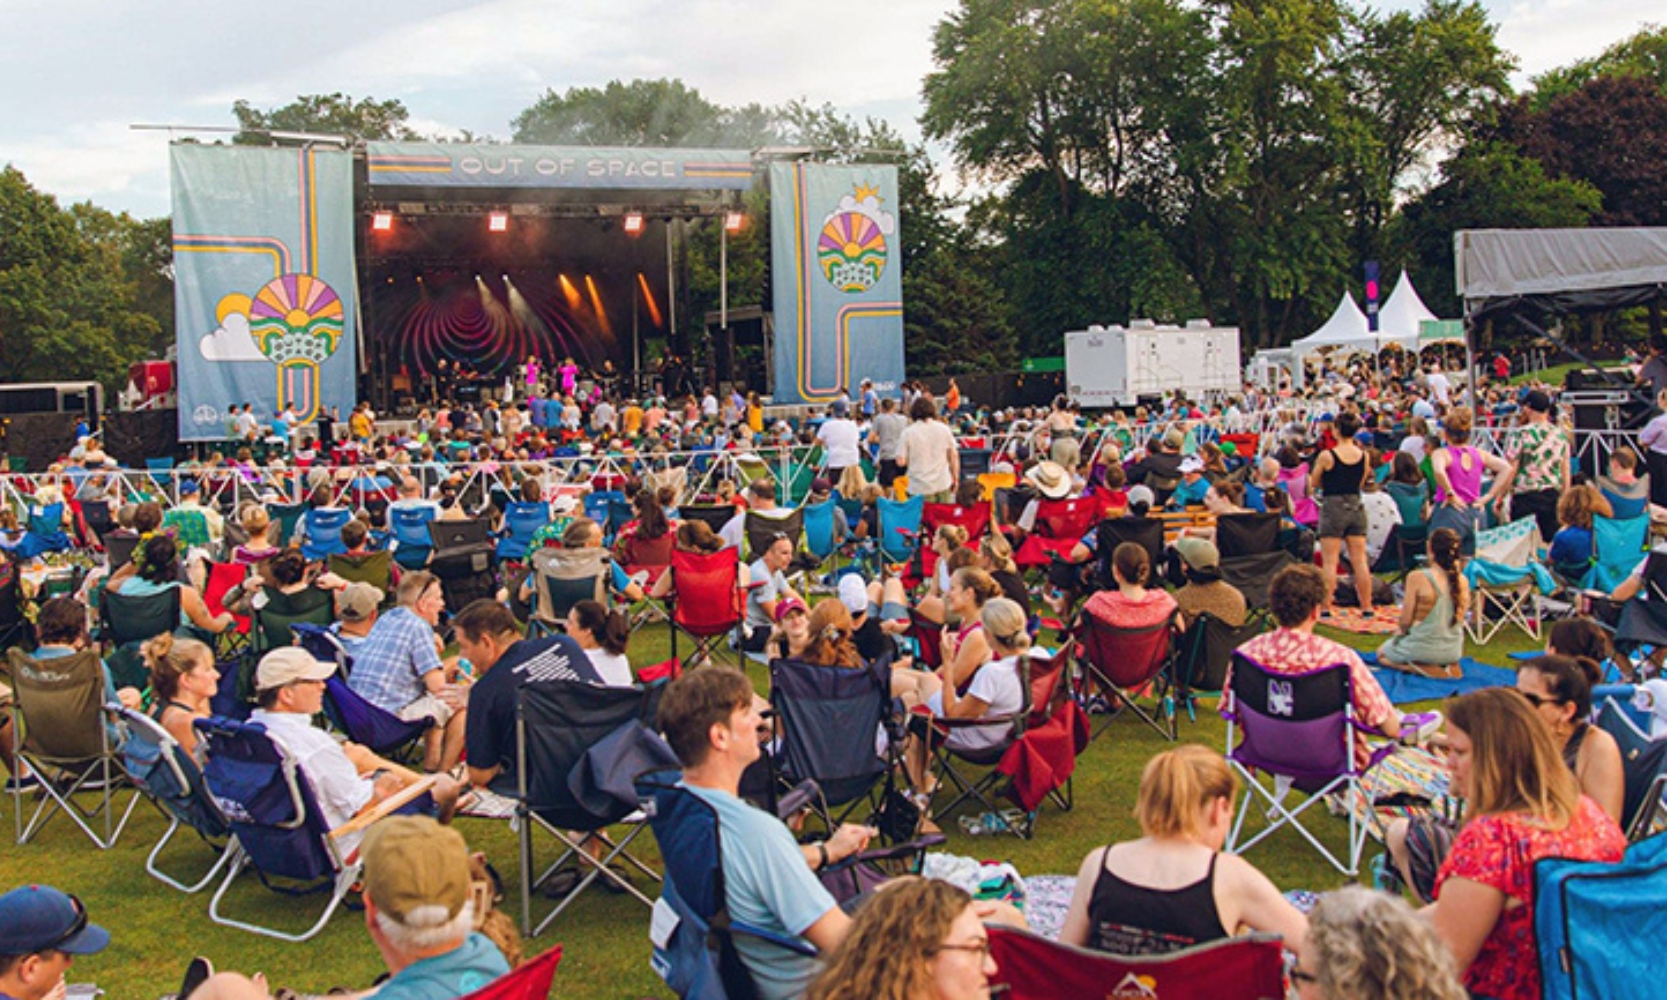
point(1398, 323)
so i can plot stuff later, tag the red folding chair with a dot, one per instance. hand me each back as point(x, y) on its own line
point(1060, 525)
point(975, 519)
point(222, 577)
point(1031, 967)
point(1117, 664)
point(531, 981)
point(707, 600)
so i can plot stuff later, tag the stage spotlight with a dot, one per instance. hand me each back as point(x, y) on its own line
point(735, 221)
point(382, 221)
point(633, 223)
point(498, 222)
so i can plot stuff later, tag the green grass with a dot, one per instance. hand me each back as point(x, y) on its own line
point(156, 930)
point(1554, 374)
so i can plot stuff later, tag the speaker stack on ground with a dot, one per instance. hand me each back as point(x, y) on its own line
point(1609, 402)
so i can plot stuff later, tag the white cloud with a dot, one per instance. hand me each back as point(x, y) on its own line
point(104, 161)
point(231, 342)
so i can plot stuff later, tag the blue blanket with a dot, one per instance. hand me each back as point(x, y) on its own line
point(1402, 687)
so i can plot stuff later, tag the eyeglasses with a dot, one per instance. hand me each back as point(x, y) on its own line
point(76, 926)
point(1539, 700)
point(1299, 976)
point(979, 947)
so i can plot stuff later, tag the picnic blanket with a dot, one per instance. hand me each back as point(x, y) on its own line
point(1409, 772)
point(1403, 687)
point(1383, 622)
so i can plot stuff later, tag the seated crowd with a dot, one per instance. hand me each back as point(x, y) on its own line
point(953, 630)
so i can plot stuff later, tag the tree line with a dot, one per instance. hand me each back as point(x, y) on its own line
point(1235, 160)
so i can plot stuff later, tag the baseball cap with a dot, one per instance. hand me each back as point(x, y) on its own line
point(787, 605)
point(416, 871)
point(358, 601)
point(1174, 439)
point(1537, 401)
point(1141, 494)
point(37, 918)
point(1199, 553)
point(288, 665)
point(1192, 463)
point(188, 486)
point(821, 484)
point(853, 594)
point(839, 407)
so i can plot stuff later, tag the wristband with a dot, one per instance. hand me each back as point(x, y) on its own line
point(822, 849)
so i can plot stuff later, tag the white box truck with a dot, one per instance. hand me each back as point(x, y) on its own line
point(1117, 365)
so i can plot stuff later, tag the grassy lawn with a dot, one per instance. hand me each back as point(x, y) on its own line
point(1554, 374)
point(156, 930)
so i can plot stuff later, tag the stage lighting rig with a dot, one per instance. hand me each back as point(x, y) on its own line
point(735, 221)
point(382, 222)
point(498, 222)
point(633, 223)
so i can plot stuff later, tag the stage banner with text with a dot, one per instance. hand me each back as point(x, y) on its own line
point(264, 289)
point(837, 272)
point(453, 165)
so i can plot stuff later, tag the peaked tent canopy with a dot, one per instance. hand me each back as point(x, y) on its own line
point(1400, 319)
point(1345, 328)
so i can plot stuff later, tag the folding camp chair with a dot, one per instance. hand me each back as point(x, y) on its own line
point(763, 527)
point(410, 530)
point(975, 520)
point(59, 718)
point(374, 568)
point(609, 508)
point(14, 624)
point(528, 981)
point(323, 527)
point(285, 518)
point(1146, 532)
point(819, 714)
point(899, 527)
point(563, 578)
point(1594, 924)
point(275, 617)
point(99, 521)
point(170, 778)
point(708, 603)
point(695, 941)
point(938, 731)
point(1205, 651)
point(713, 515)
point(521, 520)
point(1116, 664)
point(926, 636)
point(464, 558)
point(645, 560)
point(1617, 548)
point(366, 724)
point(821, 538)
point(1644, 765)
point(189, 525)
point(1032, 967)
point(222, 577)
point(1251, 555)
point(129, 621)
point(265, 795)
point(1299, 729)
point(564, 728)
point(1060, 525)
point(1504, 576)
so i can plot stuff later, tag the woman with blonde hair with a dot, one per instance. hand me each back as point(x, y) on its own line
point(256, 522)
point(184, 680)
point(1366, 945)
point(1524, 804)
point(1174, 888)
point(920, 939)
point(851, 483)
point(995, 555)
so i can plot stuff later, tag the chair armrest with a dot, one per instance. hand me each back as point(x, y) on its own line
point(801, 795)
point(794, 945)
point(381, 810)
point(895, 851)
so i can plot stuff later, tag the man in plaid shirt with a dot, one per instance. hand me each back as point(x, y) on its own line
point(397, 667)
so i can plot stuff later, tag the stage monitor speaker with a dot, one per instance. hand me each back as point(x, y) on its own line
point(1616, 411)
point(1598, 378)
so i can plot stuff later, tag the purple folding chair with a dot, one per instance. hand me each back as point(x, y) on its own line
point(359, 720)
point(1299, 728)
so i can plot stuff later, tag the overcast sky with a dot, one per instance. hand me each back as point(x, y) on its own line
point(74, 74)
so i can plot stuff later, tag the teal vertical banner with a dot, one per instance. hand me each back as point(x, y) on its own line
point(263, 283)
point(837, 271)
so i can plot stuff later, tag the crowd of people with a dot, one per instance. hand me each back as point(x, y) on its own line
point(1364, 453)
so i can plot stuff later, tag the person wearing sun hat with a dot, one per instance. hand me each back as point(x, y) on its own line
point(1051, 481)
point(420, 914)
point(42, 931)
point(1193, 485)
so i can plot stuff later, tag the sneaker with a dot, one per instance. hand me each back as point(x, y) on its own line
point(26, 783)
point(559, 884)
point(196, 972)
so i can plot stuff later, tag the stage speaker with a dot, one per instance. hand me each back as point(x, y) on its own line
point(1598, 378)
point(1608, 416)
point(40, 438)
point(133, 437)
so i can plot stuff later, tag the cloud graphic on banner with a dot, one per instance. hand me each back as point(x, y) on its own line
point(231, 341)
point(866, 201)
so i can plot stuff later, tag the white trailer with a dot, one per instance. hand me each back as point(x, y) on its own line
point(1116, 365)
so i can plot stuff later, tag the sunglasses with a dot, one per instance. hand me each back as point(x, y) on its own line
point(1539, 700)
point(979, 947)
point(76, 926)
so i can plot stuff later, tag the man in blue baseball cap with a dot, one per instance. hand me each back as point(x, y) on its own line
point(41, 932)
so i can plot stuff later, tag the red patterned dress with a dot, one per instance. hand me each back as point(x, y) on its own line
point(1499, 851)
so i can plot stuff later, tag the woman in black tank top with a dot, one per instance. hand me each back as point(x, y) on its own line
point(1173, 889)
point(1340, 475)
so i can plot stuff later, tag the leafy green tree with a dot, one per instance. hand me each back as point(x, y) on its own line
point(327, 114)
point(1642, 55)
point(1610, 133)
point(67, 307)
point(640, 113)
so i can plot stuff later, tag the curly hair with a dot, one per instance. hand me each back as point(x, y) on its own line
point(887, 953)
point(830, 637)
point(1372, 946)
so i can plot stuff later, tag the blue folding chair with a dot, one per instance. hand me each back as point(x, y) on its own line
point(900, 527)
point(1617, 548)
point(521, 520)
point(170, 778)
point(359, 720)
point(324, 532)
point(160, 469)
point(45, 533)
point(821, 710)
point(821, 530)
point(412, 544)
point(269, 803)
point(610, 509)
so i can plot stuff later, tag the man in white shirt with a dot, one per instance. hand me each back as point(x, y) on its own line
point(709, 405)
point(1440, 388)
point(247, 426)
point(761, 499)
point(346, 778)
point(928, 454)
point(841, 440)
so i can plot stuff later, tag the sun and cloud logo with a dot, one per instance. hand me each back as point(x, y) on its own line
point(853, 248)
point(294, 321)
point(1135, 987)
